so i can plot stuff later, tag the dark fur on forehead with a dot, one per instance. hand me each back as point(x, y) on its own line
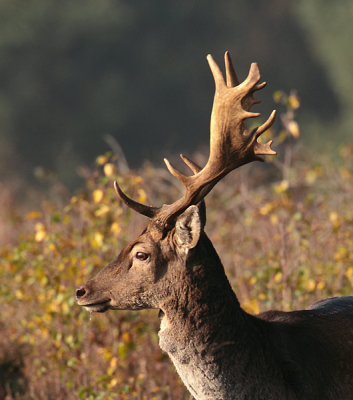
point(160, 231)
point(157, 231)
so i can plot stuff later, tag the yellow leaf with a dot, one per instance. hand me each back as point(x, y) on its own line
point(102, 210)
point(101, 160)
point(107, 354)
point(310, 284)
point(61, 267)
point(32, 339)
point(115, 228)
point(65, 308)
point(278, 277)
point(137, 179)
point(109, 169)
point(265, 209)
point(278, 96)
point(47, 318)
point(310, 176)
point(293, 129)
point(282, 187)
point(44, 281)
point(337, 257)
point(39, 227)
point(125, 337)
point(142, 196)
point(333, 217)
point(320, 285)
point(349, 274)
point(97, 195)
point(345, 174)
point(251, 306)
point(113, 362)
point(44, 332)
point(53, 307)
point(293, 102)
point(274, 219)
point(113, 382)
point(40, 232)
point(97, 240)
point(34, 215)
point(252, 280)
point(66, 219)
point(51, 247)
point(40, 236)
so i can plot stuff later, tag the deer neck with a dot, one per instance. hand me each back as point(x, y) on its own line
point(201, 320)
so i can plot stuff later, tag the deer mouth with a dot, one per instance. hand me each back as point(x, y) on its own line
point(97, 307)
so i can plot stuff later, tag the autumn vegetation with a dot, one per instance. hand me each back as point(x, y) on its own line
point(283, 230)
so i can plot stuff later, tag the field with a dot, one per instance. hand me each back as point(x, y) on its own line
point(283, 230)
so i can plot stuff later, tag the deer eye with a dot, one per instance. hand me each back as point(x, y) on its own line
point(142, 256)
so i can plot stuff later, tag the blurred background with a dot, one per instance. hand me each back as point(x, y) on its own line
point(80, 77)
point(93, 91)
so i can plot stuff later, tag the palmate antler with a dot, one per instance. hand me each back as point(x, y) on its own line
point(232, 144)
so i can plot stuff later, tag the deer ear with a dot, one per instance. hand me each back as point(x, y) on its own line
point(188, 227)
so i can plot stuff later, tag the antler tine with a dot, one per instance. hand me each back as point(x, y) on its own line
point(181, 177)
point(263, 128)
point(150, 211)
point(195, 169)
point(193, 166)
point(216, 72)
point(140, 208)
point(232, 79)
point(260, 86)
point(265, 148)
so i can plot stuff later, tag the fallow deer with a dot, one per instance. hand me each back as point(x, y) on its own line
point(219, 350)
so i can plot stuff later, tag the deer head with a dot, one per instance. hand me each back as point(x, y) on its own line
point(145, 272)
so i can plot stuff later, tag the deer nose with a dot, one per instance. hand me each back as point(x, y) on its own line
point(79, 293)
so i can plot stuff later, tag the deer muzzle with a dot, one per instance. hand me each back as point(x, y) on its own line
point(85, 298)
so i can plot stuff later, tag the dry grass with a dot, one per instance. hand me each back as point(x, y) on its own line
point(284, 244)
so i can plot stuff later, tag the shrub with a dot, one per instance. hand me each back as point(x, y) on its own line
point(284, 234)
